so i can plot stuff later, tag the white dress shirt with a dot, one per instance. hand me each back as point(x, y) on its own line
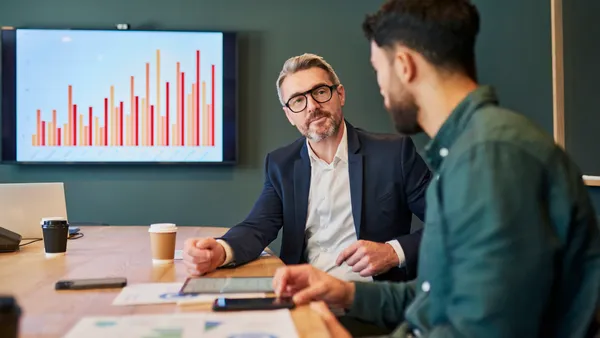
point(329, 222)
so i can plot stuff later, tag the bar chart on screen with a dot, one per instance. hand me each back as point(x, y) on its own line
point(110, 96)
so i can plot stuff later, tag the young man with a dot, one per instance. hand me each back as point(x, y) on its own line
point(344, 197)
point(511, 247)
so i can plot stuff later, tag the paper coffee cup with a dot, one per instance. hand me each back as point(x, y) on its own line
point(162, 240)
point(55, 233)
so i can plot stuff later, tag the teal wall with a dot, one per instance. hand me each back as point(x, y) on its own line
point(513, 54)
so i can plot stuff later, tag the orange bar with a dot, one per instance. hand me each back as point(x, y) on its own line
point(38, 130)
point(34, 140)
point(69, 132)
point(162, 131)
point(188, 116)
point(101, 136)
point(178, 96)
point(85, 139)
point(96, 131)
point(127, 130)
point(204, 116)
point(49, 133)
point(65, 134)
point(80, 130)
point(157, 106)
point(53, 132)
point(174, 135)
point(116, 137)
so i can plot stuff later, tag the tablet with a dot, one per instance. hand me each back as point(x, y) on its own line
point(199, 285)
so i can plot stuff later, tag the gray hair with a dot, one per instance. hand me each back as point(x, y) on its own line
point(304, 62)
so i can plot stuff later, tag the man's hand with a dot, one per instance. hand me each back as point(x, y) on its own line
point(369, 258)
point(202, 255)
point(305, 284)
point(334, 327)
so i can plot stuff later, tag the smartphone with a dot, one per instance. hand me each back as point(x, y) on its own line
point(91, 283)
point(239, 304)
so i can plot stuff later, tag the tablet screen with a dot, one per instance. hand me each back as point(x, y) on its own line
point(227, 285)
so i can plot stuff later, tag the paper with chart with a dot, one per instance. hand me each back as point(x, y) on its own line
point(139, 326)
point(255, 324)
point(250, 324)
point(165, 293)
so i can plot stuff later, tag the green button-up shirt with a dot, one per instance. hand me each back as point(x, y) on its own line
point(511, 247)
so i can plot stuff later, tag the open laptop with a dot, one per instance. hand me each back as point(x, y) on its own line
point(23, 205)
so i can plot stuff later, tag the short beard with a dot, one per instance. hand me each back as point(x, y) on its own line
point(332, 130)
point(404, 112)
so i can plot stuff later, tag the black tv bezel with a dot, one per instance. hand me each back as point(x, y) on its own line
point(8, 113)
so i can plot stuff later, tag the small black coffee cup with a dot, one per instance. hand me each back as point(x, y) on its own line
point(10, 314)
point(56, 232)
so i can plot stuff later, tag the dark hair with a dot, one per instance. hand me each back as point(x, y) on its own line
point(443, 31)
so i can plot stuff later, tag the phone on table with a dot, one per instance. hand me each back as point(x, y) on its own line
point(241, 304)
point(91, 283)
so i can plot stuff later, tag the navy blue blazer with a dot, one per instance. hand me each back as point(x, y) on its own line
point(388, 180)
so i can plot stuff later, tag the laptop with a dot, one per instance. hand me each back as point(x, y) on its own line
point(23, 205)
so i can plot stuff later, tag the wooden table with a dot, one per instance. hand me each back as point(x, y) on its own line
point(115, 251)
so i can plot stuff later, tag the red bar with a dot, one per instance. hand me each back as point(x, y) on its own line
point(121, 123)
point(58, 137)
point(70, 103)
point(167, 118)
point(43, 133)
point(74, 124)
point(178, 98)
point(131, 110)
point(182, 108)
point(151, 125)
point(90, 129)
point(197, 98)
point(137, 116)
point(212, 109)
point(105, 130)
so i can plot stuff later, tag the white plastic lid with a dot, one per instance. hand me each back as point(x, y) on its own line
point(55, 218)
point(162, 227)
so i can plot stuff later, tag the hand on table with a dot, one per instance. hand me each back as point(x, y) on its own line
point(369, 258)
point(305, 283)
point(202, 255)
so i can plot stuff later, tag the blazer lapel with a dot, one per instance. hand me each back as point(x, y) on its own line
point(301, 187)
point(355, 172)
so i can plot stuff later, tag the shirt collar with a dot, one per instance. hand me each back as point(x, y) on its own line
point(456, 123)
point(341, 153)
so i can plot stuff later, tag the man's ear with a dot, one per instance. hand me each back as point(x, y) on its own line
point(342, 94)
point(404, 65)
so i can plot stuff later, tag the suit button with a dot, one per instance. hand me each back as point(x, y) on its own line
point(426, 286)
point(443, 152)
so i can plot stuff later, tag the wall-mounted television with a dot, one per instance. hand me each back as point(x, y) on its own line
point(118, 96)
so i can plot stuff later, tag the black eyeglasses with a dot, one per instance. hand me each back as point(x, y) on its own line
point(321, 94)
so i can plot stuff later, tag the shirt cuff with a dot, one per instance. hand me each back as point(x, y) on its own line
point(398, 248)
point(228, 252)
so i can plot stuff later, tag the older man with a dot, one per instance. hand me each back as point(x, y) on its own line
point(344, 197)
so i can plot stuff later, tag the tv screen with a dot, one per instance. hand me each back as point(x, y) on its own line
point(110, 96)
